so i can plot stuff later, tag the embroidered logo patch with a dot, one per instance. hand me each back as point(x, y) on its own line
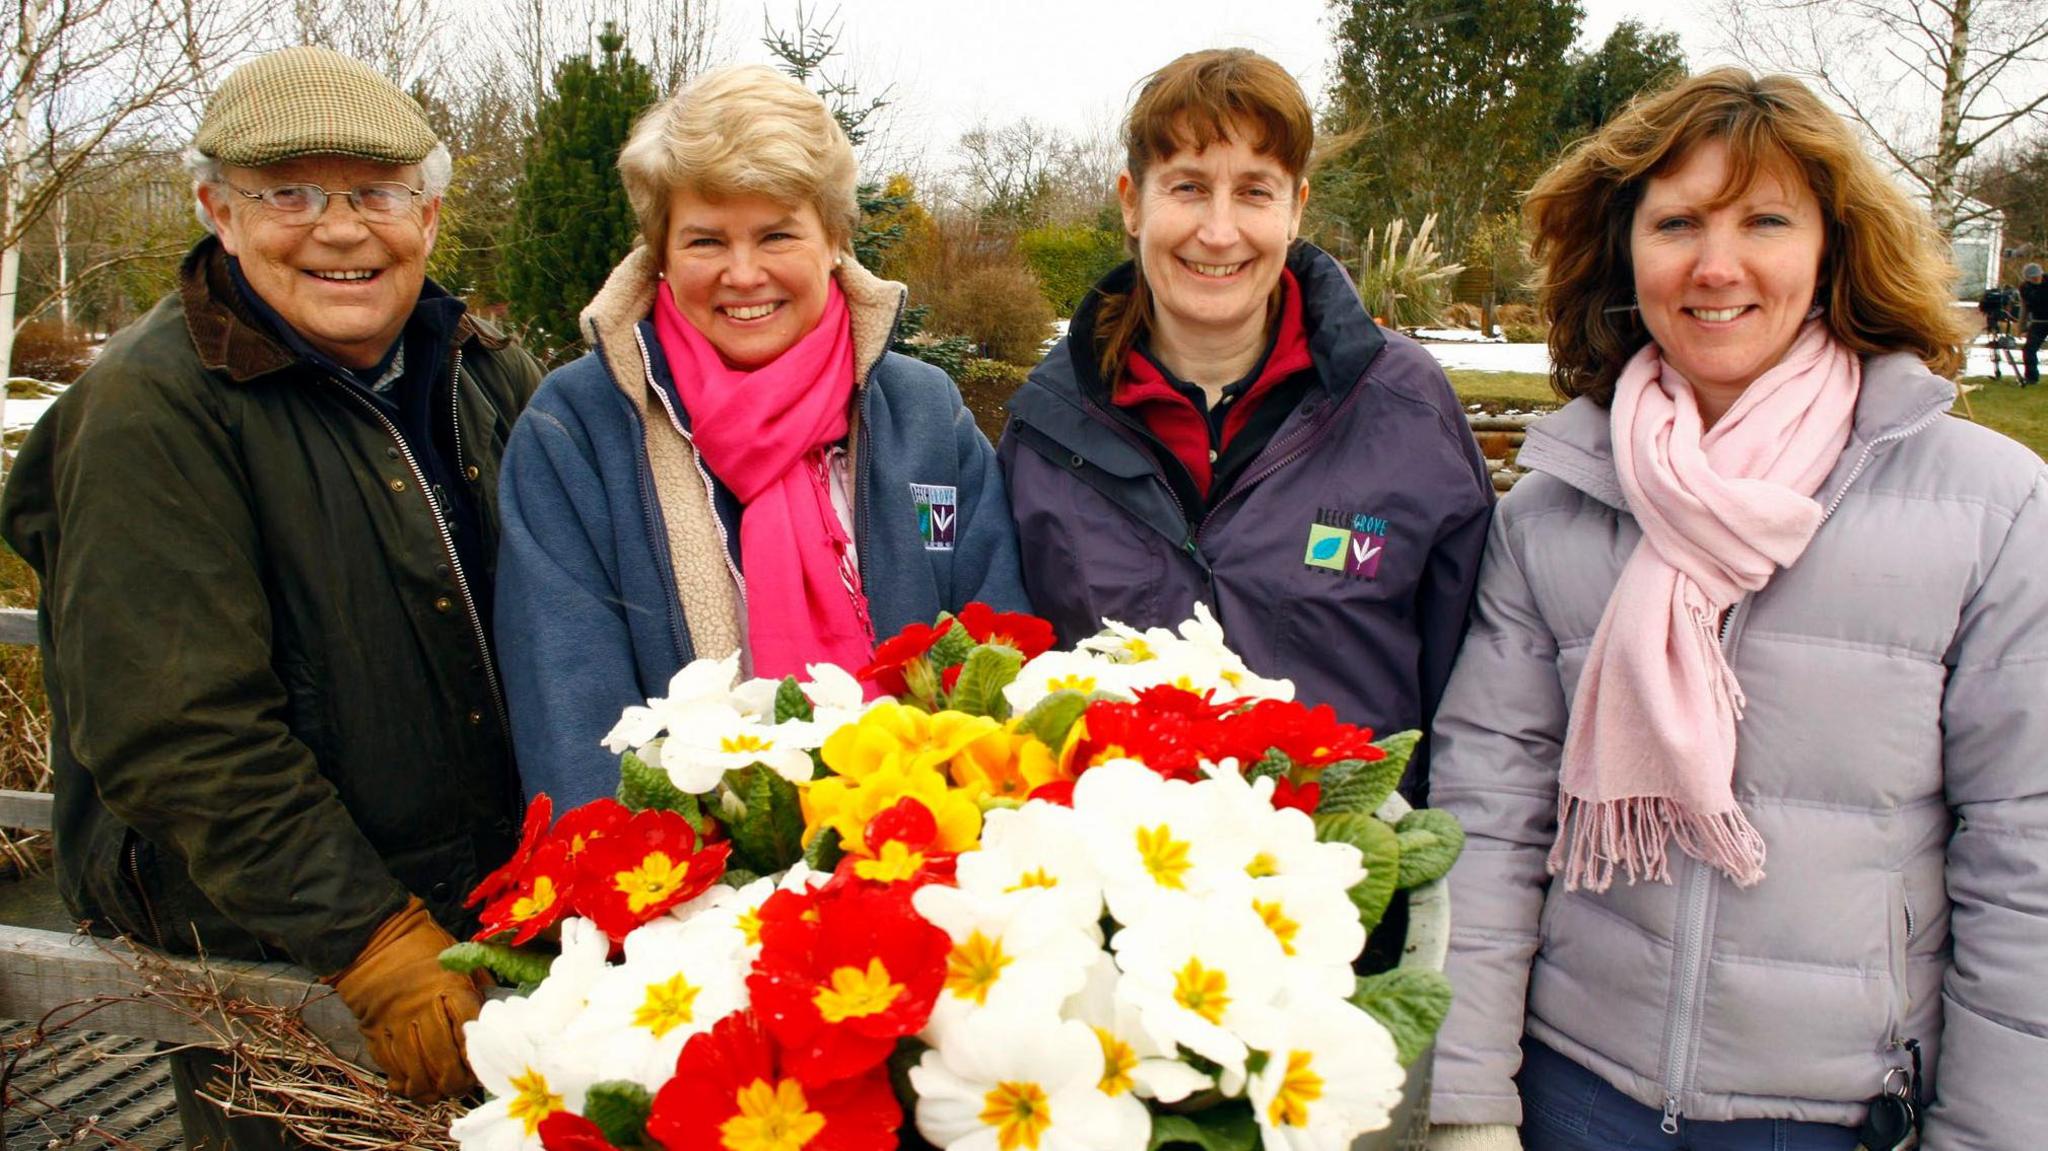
point(1346, 542)
point(938, 514)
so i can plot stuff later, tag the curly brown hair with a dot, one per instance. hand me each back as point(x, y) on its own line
point(1885, 272)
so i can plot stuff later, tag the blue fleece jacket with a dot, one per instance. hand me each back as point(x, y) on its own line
point(588, 618)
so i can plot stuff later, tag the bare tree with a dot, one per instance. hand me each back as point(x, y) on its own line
point(679, 39)
point(83, 77)
point(1010, 171)
point(403, 39)
point(1980, 67)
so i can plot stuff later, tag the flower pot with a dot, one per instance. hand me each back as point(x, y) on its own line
point(1426, 944)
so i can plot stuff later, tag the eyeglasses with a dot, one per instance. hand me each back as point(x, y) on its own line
point(381, 202)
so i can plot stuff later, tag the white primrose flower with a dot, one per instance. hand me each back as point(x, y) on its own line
point(1064, 671)
point(1236, 680)
point(1016, 952)
point(1040, 846)
point(735, 915)
point(513, 1046)
point(1156, 840)
point(1332, 1076)
point(1126, 644)
point(1134, 1066)
point(714, 738)
point(836, 697)
point(1282, 841)
point(700, 681)
point(678, 980)
point(1205, 976)
point(1008, 1081)
point(1317, 927)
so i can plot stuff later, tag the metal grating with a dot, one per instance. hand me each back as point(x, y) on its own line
point(73, 1082)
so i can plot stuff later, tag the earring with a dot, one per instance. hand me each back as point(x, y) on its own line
point(1628, 307)
point(839, 261)
point(1815, 312)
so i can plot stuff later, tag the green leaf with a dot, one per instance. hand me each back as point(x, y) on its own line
point(1430, 843)
point(768, 835)
point(1053, 717)
point(1411, 1002)
point(510, 965)
point(1274, 763)
point(952, 648)
point(619, 1107)
point(1400, 748)
point(737, 877)
point(642, 787)
point(1227, 1127)
point(824, 852)
point(790, 701)
point(1356, 786)
point(989, 669)
point(1381, 849)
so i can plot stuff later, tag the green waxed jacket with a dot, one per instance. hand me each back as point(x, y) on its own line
point(274, 710)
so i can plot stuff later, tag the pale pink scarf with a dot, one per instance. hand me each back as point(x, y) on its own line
point(1649, 755)
point(764, 434)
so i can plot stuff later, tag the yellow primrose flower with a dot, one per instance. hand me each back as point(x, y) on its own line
point(846, 804)
point(1007, 764)
point(891, 736)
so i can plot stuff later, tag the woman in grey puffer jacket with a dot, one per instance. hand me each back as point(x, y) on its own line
point(1814, 748)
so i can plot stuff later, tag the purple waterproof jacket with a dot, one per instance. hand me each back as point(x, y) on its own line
point(1344, 556)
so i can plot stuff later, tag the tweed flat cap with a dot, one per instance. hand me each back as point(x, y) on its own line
point(311, 101)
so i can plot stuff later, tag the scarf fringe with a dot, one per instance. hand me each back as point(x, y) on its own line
point(1593, 838)
point(1727, 689)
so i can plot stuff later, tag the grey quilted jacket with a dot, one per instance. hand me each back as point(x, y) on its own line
point(1894, 755)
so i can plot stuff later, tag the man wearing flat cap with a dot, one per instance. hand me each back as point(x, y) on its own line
point(264, 522)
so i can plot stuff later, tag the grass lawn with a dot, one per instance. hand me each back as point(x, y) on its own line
point(2019, 413)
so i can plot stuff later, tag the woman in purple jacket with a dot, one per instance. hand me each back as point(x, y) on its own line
point(1224, 424)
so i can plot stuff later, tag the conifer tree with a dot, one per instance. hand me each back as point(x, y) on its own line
point(574, 222)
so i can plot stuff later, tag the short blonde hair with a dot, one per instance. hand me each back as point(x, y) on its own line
point(1885, 274)
point(736, 132)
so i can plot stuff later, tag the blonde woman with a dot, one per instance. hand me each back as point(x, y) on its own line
point(738, 464)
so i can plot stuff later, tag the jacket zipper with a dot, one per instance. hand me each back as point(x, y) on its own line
point(710, 490)
point(1306, 440)
point(1693, 903)
point(141, 895)
point(419, 477)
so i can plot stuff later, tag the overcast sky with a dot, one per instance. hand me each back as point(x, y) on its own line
point(1072, 63)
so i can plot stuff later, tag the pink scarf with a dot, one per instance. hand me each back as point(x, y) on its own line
point(1649, 755)
point(764, 433)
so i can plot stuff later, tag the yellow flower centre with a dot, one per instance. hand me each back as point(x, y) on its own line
point(744, 744)
point(1139, 649)
point(1234, 679)
point(531, 1101)
point(1118, 1061)
point(1283, 928)
point(1262, 865)
point(668, 1005)
point(974, 965)
point(536, 903)
point(1019, 1112)
point(750, 927)
point(1037, 878)
point(1202, 991)
point(1072, 681)
point(1299, 1087)
point(1165, 858)
point(774, 1118)
point(895, 864)
point(1185, 683)
point(657, 878)
point(856, 993)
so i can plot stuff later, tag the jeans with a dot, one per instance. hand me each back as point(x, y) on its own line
point(1568, 1108)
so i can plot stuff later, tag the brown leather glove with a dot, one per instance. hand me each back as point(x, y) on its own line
point(410, 1008)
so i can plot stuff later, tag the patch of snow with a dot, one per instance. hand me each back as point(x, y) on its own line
point(24, 413)
point(1455, 336)
point(1492, 357)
